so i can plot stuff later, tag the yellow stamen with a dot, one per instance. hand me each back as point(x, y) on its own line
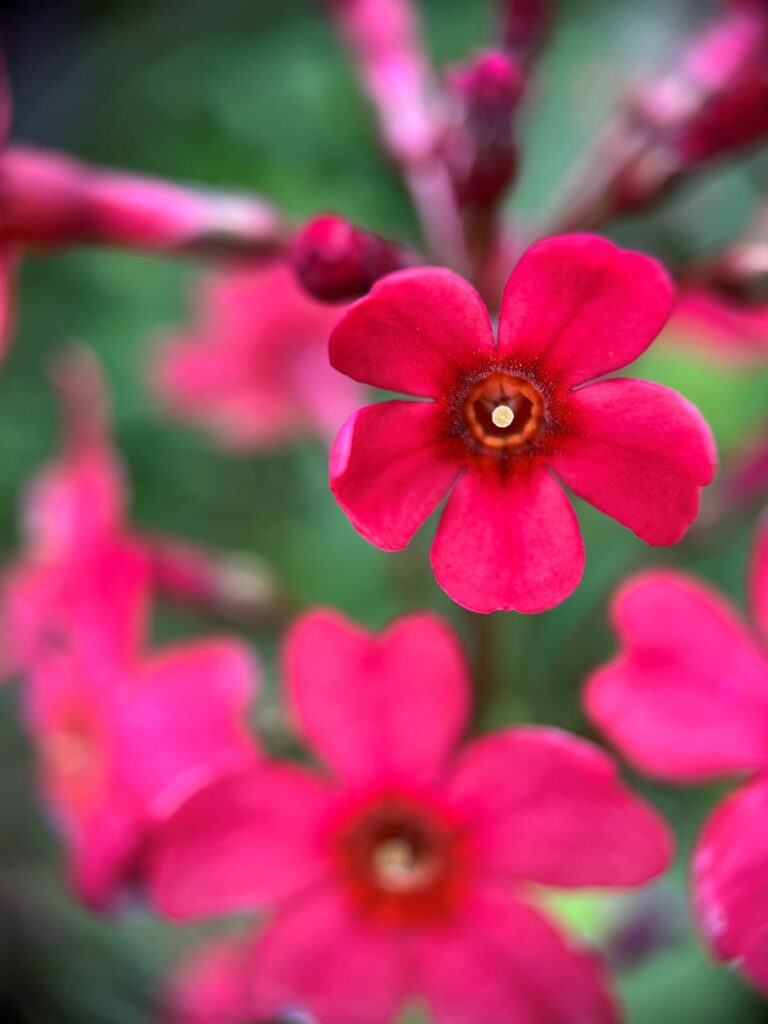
point(502, 416)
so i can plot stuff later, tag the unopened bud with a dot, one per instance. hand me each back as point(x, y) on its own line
point(480, 146)
point(336, 261)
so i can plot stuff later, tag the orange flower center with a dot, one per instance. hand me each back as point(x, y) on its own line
point(503, 411)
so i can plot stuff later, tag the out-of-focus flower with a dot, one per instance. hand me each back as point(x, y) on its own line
point(336, 260)
point(253, 368)
point(123, 736)
point(686, 700)
point(403, 874)
point(505, 417)
point(726, 327)
point(72, 519)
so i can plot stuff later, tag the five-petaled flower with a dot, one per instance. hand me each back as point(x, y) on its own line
point(254, 369)
point(686, 700)
point(402, 871)
point(504, 418)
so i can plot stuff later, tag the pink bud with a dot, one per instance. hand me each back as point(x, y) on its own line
point(50, 199)
point(481, 151)
point(335, 260)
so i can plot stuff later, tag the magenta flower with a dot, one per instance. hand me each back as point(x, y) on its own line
point(507, 419)
point(253, 369)
point(735, 331)
point(685, 700)
point(73, 523)
point(402, 871)
point(122, 737)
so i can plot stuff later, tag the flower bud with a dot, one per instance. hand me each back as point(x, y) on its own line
point(480, 146)
point(335, 260)
point(50, 199)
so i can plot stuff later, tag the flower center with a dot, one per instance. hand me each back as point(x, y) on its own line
point(72, 760)
point(400, 860)
point(503, 411)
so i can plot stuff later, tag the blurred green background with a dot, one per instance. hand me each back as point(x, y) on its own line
point(256, 95)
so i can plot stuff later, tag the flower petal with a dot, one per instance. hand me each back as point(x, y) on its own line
point(730, 877)
point(509, 544)
point(576, 307)
point(505, 964)
point(241, 842)
point(210, 986)
point(413, 332)
point(550, 808)
point(377, 707)
point(687, 698)
point(388, 471)
point(640, 453)
point(183, 722)
point(759, 576)
point(103, 855)
point(320, 956)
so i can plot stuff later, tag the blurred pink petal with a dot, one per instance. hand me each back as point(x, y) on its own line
point(505, 964)
point(321, 956)
point(687, 698)
point(253, 368)
point(212, 859)
point(210, 985)
point(356, 695)
point(733, 330)
point(729, 871)
point(532, 793)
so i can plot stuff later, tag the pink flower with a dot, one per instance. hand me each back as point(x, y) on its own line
point(73, 523)
point(253, 368)
point(736, 331)
point(402, 870)
point(685, 700)
point(505, 417)
point(123, 736)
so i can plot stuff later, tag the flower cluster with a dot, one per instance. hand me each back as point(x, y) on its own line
point(390, 853)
